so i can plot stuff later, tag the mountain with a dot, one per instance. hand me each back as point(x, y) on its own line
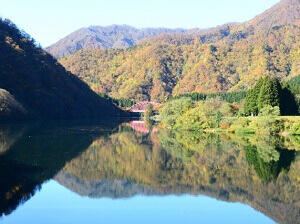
point(33, 85)
point(123, 36)
point(231, 57)
point(162, 66)
point(284, 13)
point(98, 37)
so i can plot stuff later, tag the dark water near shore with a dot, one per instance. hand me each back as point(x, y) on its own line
point(127, 173)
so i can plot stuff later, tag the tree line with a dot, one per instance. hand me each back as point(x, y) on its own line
point(229, 97)
point(270, 92)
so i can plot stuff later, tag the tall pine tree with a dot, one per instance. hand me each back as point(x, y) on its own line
point(269, 93)
point(251, 106)
point(266, 93)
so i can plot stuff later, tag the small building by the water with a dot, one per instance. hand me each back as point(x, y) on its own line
point(142, 106)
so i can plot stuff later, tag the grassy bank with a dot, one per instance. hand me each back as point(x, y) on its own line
point(283, 125)
point(217, 116)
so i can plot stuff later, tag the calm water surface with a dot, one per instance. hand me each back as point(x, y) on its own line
point(131, 173)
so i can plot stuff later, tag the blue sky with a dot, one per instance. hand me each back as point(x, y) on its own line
point(48, 21)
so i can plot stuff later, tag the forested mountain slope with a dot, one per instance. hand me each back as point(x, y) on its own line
point(284, 13)
point(175, 65)
point(33, 85)
point(123, 36)
point(98, 37)
point(228, 58)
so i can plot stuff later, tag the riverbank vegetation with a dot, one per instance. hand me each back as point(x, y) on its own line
point(269, 108)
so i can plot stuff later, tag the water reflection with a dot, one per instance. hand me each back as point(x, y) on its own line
point(34, 153)
point(105, 161)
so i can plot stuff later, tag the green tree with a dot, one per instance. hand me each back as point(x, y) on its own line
point(174, 109)
point(148, 116)
point(269, 111)
point(206, 115)
point(218, 118)
point(251, 104)
point(269, 93)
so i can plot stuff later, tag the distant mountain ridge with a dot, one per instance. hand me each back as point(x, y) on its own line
point(286, 12)
point(124, 36)
point(99, 37)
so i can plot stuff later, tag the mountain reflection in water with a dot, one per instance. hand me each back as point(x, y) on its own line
point(121, 161)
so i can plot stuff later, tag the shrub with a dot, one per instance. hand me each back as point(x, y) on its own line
point(193, 120)
point(174, 109)
point(225, 125)
point(205, 116)
point(296, 129)
point(267, 125)
point(269, 111)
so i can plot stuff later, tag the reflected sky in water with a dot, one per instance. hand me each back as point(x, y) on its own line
point(56, 204)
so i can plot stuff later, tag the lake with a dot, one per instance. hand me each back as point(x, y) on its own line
point(128, 172)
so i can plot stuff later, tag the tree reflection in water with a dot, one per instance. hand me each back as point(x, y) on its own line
point(104, 161)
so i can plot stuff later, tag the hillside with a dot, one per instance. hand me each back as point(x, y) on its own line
point(33, 85)
point(175, 65)
point(98, 37)
point(123, 36)
point(284, 13)
point(231, 57)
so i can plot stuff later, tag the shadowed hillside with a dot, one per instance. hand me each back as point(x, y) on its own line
point(33, 85)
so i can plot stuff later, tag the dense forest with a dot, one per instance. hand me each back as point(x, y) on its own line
point(155, 65)
point(115, 36)
point(33, 85)
point(270, 92)
point(227, 58)
point(229, 97)
point(174, 65)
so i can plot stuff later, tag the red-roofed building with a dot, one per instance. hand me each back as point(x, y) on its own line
point(142, 106)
